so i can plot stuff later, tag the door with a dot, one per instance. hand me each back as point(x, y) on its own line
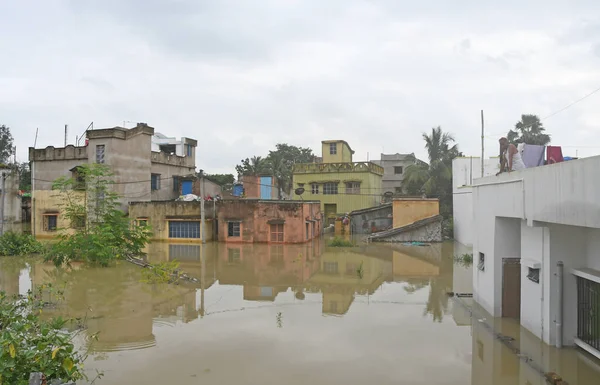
point(511, 288)
point(186, 187)
point(330, 211)
point(265, 187)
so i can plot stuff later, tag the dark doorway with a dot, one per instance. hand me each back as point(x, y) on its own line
point(511, 288)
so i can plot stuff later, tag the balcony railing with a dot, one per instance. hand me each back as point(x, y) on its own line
point(319, 168)
point(174, 160)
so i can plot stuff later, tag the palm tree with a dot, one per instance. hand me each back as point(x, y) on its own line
point(529, 130)
point(279, 169)
point(437, 174)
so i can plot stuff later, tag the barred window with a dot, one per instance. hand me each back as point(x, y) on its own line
point(100, 153)
point(155, 182)
point(353, 188)
point(50, 222)
point(233, 229)
point(330, 188)
point(314, 188)
point(332, 148)
point(184, 229)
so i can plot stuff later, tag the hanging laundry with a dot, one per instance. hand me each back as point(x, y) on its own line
point(533, 155)
point(554, 154)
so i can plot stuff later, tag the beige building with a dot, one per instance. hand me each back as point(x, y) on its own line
point(140, 174)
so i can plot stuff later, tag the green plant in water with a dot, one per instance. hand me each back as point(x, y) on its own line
point(341, 242)
point(29, 344)
point(464, 259)
point(19, 244)
point(164, 272)
point(98, 231)
point(360, 271)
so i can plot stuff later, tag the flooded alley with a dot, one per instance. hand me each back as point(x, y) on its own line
point(272, 314)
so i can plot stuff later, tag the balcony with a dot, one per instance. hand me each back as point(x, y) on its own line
point(321, 168)
point(172, 160)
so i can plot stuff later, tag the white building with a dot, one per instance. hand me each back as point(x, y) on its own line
point(170, 145)
point(524, 224)
point(464, 170)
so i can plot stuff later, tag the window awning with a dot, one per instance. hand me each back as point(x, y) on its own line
point(276, 221)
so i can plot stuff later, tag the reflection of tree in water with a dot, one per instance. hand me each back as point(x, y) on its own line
point(414, 285)
point(437, 303)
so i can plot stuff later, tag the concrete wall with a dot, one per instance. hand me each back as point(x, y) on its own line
point(409, 210)
point(159, 214)
point(464, 171)
point(49, 202)
point(167, 189)
point(369, 221)
point(255, 216)
point(556, 208)
point(391, 181)
point(431, 232)
point(252, 187)
point(11, 202)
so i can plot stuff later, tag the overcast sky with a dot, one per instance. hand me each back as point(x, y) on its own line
point(241, 76)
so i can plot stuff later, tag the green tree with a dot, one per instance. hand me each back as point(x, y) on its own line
point(254, 166)
point(98, 231)
point(6, 144)
point(221, 179)
point(434, 179)
point(279, 168)
point(24, 176)
point(529, 130)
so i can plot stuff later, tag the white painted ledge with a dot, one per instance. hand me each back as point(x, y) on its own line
point(531, 263)
point(587, 348)
point(589, 274)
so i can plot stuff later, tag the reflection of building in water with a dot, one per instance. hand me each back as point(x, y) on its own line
point(115, 303)
point(343, 274)
point(266, 270)
point(9, 281)
point(494, 363)
point(406, 266)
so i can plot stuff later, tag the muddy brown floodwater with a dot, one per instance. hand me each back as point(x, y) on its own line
point(262, 314)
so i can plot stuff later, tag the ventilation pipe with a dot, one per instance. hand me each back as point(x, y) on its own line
point(559, 310)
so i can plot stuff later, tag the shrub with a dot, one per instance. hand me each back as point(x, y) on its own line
point(28, 344)
point(19, 244)
point(164, 272)
point(99, 231)
point(465, 259)
point(341, 242)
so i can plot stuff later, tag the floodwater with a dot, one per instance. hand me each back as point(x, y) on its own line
point(374, 314)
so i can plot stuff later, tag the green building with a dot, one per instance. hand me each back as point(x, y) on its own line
point(339, 183)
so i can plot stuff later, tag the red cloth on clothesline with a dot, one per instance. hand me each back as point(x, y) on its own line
point(554, 154)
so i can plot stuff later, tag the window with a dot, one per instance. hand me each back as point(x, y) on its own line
point(307, 230)
point(50, 222)
point(314, 188)
point(352, 187)
point(277, 232)
point(188, 150)
point(155, 182)
point(79, 179)
point(533, 274)
point(332, 148)
point(184, 229)
point(176, 184)
point(330, 188)
point(233, 255)
point(481, 264)
point(233, 229)
point(100, 153)
point(398, 170)
point(142, 221)
point(78, 222)
point(330, 267)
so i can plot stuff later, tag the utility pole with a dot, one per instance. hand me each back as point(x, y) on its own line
point(66, 135)
point(482, 131)
point(2, 204)
point(202, 217)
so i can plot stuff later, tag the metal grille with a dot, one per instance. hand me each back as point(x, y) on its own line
point(100, 153)
point(184, 229)
point(588, 312)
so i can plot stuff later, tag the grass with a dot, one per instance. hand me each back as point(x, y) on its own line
point(464, 259)
point(341, 242)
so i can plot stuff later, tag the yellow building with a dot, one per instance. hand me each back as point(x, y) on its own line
point(339, 183)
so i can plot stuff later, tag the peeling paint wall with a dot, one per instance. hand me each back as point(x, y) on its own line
point(407, 210)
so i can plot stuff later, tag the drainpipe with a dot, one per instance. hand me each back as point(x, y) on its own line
point(2, 204)
point(559, 311)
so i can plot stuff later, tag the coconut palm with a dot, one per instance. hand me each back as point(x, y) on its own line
point(278, 167)
point(529, 130)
